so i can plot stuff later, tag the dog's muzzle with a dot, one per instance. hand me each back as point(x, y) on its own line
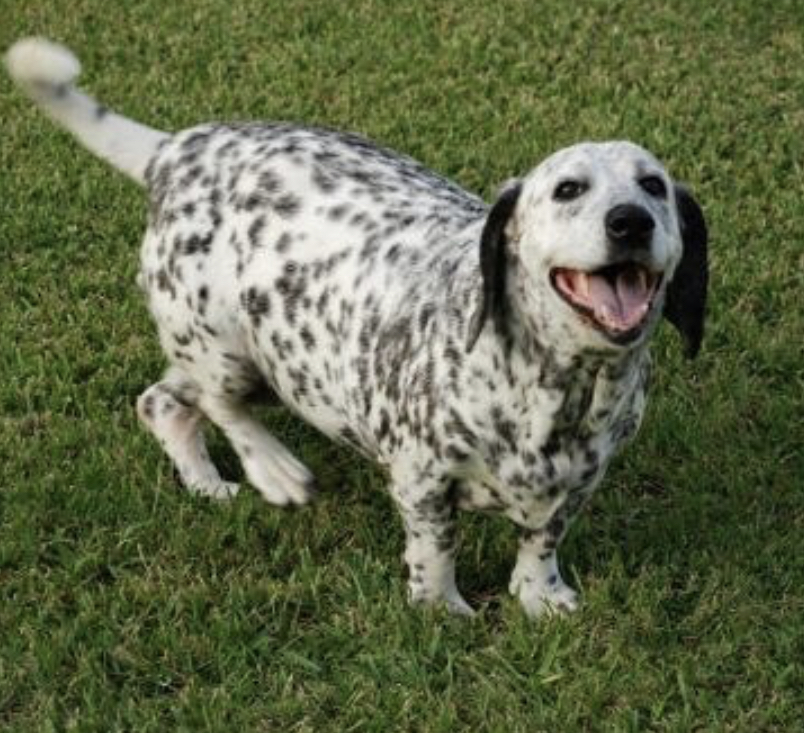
point(616, 298)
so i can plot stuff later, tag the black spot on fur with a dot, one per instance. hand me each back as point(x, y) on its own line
point(287, 206)
point(308, 340)
point(165, 284)
point(184, 339)
point(336, 213)
point(203, 299)
point(269, 182)
point(291, 286)
point(256, 303)
point(392, 255)
point(255, 231)
point(283, 243)
point(504, 427)
point(148, 407)
point(323, 181)
point(197, 243)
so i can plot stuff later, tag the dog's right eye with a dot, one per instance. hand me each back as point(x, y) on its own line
point(569, 190)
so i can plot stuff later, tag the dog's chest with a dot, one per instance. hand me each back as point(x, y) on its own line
point(559, 454)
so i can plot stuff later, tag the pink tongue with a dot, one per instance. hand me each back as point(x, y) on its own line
point(623, 306)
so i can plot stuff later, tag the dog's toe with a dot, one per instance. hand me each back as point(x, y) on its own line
point(218, 490)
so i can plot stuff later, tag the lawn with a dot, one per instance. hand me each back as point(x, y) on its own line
point(128, 605)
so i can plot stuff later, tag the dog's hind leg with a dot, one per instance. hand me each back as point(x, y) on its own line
point(169, 409)
point(269, 466)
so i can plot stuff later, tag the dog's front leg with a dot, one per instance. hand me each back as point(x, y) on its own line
point(536, 579)
point(429, 517)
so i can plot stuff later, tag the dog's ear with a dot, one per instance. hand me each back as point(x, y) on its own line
point(685, 305)
point(493, 259)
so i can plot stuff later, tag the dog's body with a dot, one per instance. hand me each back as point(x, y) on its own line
point(489, 359)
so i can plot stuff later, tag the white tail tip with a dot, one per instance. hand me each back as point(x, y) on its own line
point(36, 61)
point(46, 71)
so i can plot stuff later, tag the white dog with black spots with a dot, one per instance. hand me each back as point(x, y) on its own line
point(489, 358)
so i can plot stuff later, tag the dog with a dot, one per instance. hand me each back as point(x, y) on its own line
point(489, 358)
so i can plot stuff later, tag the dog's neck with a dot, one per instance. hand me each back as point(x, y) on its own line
point(534, 360)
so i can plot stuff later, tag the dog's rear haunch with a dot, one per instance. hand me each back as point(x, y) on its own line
point(490, 358)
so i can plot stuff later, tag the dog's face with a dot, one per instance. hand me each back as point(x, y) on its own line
point(598, 233)
point(593, 238)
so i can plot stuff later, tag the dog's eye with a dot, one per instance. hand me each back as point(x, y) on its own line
point(569, 190)
point(654, 186)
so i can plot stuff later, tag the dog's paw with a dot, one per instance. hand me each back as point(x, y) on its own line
point(276, 473)
point(277, 484)
point(218, 490)
point(457, 606)
point(546, 598)
point(563, 600)
point(452, 601)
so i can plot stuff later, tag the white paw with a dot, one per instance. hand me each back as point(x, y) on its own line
point(218, 490)
point(278, 475)
point(452, 600)
point(457, 606)
point(541, 599)
point(277, 485)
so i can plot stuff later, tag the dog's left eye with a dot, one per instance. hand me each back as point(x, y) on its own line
point(654, 186)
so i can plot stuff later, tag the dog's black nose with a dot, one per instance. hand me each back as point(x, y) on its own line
point(629, 225)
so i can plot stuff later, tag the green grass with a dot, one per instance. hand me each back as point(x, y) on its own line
point(128, 605)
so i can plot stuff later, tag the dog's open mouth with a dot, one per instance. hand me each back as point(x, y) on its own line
point(616, 299)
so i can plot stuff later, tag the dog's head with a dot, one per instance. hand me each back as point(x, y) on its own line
point(593, 245)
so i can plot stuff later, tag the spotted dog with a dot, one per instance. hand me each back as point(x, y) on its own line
point(490, 358)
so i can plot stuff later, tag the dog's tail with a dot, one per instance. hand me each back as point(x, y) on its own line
point(46, 72)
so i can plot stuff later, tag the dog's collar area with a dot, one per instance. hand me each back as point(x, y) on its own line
point(615, 299)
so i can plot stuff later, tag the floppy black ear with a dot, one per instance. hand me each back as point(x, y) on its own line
point(493, 264)
point(685, 305)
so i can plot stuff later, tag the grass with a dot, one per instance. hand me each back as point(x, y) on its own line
point(128, 605)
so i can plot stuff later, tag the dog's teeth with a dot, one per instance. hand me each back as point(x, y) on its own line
point(646, 279)
point(583, 285)
point(642, 279)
